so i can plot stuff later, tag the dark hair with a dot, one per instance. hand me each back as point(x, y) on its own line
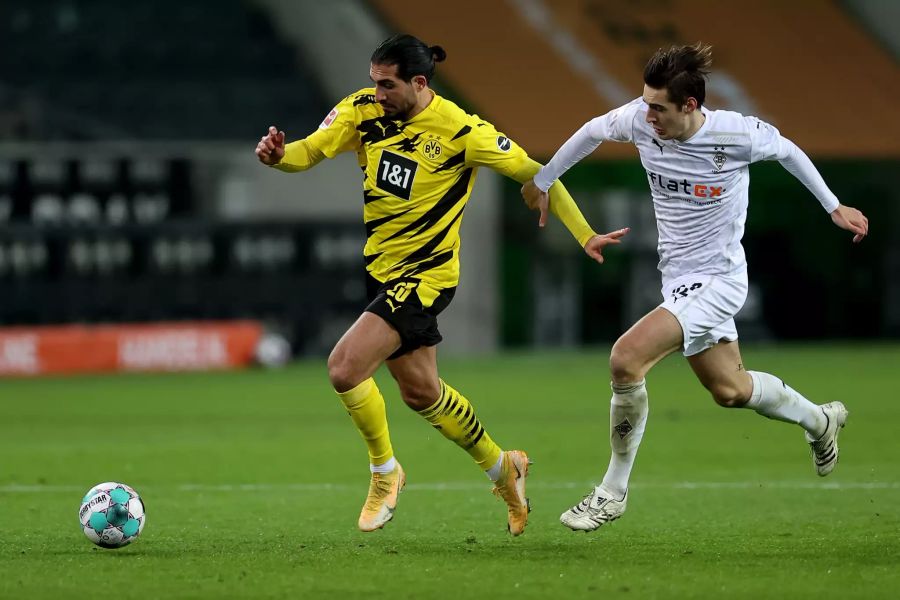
point(410, 54)
point(682, 70)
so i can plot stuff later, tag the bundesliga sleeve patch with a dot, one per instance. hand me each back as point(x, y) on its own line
point(503, 143)
point(329, 118)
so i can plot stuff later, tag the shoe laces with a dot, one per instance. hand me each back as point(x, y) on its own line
point(605, 499)
point(379, 488)
point(585, 503)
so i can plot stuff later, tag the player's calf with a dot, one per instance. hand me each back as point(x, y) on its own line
point(728, 395)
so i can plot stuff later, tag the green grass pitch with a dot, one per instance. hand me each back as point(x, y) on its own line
point(253, 482)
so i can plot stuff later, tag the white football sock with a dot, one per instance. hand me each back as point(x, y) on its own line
point(384, 467)
point(494, 472)
point(627, 420)
point(775, 399)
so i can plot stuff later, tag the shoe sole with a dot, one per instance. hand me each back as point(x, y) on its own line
point(607, 522)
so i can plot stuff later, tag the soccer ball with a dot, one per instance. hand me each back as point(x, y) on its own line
point(112, 515)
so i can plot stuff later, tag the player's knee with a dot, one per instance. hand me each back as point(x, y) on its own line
point(419, 395)
point(728, 395)
point(341, 372)
point(624, 367)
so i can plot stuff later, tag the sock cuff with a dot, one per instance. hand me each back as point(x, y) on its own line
point(493, 471)
point(436, 408)
point(757, 389)
point(759, 381)
point(356, 396)
point(627, 388)
point(389, 464)
point(629, 395)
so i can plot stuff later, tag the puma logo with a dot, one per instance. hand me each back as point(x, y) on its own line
point(391, 304)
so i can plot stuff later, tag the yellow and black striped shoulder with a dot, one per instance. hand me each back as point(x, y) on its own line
point(363, 98)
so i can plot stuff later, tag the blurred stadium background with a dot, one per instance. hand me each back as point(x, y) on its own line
point(139, 232)
point(129, 192)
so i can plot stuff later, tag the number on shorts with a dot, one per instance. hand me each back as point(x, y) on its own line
point(683, 290)
point(401, 291)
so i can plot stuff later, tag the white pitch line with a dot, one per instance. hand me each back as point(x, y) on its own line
point(465, 486)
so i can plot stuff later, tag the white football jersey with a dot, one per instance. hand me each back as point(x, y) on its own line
point(699, 186)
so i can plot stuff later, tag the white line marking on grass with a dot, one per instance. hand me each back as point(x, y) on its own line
point(783, 485)
point(466, 486)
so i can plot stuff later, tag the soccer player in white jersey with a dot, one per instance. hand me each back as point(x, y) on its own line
point(697, 168)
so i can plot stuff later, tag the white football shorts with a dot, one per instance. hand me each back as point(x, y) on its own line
point(705, 306)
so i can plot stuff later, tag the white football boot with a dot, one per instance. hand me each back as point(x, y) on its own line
point(825, 448)
point(597, 508)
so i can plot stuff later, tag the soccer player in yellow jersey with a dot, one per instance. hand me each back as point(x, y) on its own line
point(420, 154)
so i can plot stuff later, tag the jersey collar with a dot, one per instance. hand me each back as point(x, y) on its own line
point(699, 133)
point(435, 99)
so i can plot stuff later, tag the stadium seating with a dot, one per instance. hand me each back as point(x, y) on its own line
point(554, 65)
point(161, 70)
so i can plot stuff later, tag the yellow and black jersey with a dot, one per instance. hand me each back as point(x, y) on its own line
point(419, 175)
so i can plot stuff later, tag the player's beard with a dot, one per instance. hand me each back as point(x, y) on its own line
point(396, 116)
point(397, 113)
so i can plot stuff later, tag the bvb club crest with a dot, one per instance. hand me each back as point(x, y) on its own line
point(432, 149)
point(719, 157)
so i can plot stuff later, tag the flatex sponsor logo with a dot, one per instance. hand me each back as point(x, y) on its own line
point(685, 187)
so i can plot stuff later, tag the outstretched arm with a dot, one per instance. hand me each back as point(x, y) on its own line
point(800, 166)
point(583, 142)
point(851, 219)
point(594, 246)
point(296, 156)
point(336, 134)
point(560, 203)
point(485, 149)
point(616, 125)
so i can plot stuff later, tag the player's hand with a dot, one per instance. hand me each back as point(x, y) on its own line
point(536, 199)
point(594, 246)
point(847, 217)
point(270, 149)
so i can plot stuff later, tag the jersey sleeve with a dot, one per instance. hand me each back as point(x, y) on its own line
point(490, 148)
point(767, 143)
point(764, 140)
point(337, 133)
point(487, 147)
point(617, 126)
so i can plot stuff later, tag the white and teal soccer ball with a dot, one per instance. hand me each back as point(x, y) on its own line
point(112, 515)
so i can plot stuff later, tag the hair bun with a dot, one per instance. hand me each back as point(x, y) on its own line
point(438, 53)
